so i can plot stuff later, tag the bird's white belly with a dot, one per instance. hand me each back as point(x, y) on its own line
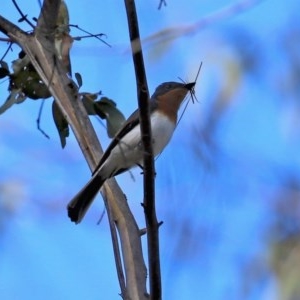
point(162, 130)
point(129, 151)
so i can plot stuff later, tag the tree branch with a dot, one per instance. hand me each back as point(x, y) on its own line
point(117, 253)
point(40, 49)
point(149, 172)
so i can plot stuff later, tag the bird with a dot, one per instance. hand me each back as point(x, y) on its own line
point(126, 150)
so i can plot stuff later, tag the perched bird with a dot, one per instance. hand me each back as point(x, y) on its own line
point(126, 150)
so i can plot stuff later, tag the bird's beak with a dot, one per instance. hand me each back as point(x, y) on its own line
point(190, 85)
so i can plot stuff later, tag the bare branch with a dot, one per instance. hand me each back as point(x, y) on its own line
point(41, 51)
point(97, 36)
point(135, 270)
point(116, 248)
point(8, 27)
point(148, 165)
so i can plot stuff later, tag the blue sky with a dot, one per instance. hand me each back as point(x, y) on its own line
point(215, 181)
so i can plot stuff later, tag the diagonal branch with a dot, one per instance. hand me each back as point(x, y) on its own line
point(40, 49)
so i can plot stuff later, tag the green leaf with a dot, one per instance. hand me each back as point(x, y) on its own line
point(4, 70)
point(61, 124)
point(30, 83)
point(3, 73)
point(15, 96)
point(88, 100)
point(20, 63)
point(78, 79)
point(4, 64)
point(22, 19)
point(105, 108)
point(26, 79)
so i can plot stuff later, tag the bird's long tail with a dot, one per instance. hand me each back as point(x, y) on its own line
point(78, 206)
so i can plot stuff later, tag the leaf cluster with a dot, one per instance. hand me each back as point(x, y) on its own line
point(24, 82)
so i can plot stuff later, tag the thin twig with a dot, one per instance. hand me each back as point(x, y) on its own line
point(38, 120)
point(148, 165)
point(78, 38)
point(2, 39)
point(5, 53)
point(116, 248)
point(161, 3)
point(97, 36)
point(23, 17)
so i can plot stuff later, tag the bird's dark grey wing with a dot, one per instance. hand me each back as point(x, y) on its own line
point(130, 123)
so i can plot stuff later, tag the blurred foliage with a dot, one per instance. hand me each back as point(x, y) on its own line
point(285, 239)
point(243, 58)
point(12, 196)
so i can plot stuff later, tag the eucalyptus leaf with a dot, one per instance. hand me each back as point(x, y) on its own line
point(88, 100)
point(22, 19)
point(106, 109)
point(30, 83)
point(16, 96)
point(3, 72)
point(78, 79)
point(60, 123)
point(4, 64)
